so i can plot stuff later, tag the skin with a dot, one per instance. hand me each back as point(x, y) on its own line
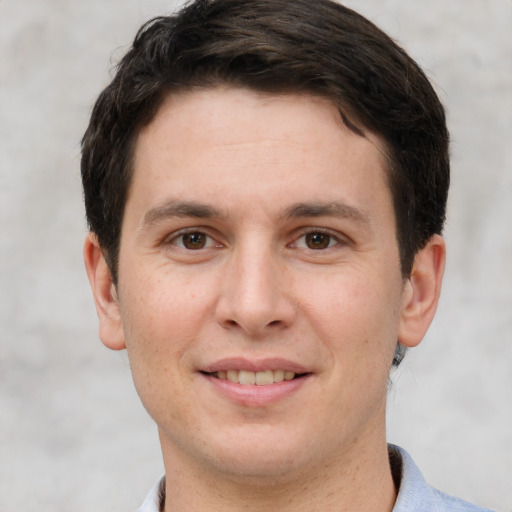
point(232, 253)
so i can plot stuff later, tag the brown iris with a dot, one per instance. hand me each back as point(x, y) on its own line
point(318, 240)
point(194, 240)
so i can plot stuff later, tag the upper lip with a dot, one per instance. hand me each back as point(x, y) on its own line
point(254, 365)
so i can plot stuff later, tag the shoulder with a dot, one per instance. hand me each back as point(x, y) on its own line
point(415, 495)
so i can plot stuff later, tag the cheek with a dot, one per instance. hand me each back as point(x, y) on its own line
point(163, 305)
point(354, 317)
point(161, 319)
point(159, 333)
point(353, 323)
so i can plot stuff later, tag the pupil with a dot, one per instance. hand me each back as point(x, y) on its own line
point(317, 240)
point(194, 240)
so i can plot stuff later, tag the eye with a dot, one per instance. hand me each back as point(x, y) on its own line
point(316, 240)
point(193, 241)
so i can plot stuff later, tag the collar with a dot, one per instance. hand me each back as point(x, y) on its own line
point(155, 500)
point(414, 494)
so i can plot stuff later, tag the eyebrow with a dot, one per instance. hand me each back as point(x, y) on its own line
point(173, 208)
point(330, 209)
point(196, 210)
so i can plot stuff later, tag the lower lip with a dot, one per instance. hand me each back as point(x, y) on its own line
point(254, 395)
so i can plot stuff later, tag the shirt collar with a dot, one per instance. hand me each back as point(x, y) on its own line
point(155, 500)
point(413, 492)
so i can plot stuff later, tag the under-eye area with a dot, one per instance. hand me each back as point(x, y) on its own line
point(263, 378)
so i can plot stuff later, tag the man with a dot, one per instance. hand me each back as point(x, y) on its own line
point(265, 184)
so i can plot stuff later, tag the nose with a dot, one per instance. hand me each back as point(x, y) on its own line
point(254, 295)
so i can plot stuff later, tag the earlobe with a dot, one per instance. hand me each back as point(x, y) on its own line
point(105, 295)
point(421, 292)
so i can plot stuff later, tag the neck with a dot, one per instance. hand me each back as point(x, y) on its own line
point(360, 480)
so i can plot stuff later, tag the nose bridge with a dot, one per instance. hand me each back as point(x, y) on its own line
point(252, 297)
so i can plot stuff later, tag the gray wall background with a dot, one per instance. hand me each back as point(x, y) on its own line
point(73, 436)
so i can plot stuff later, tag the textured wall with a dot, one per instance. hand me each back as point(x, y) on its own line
point(73, 434)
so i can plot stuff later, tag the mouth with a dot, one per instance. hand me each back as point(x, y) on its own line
point(260, 378)
point(256, 383)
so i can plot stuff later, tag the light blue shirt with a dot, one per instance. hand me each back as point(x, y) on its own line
point(414, 494)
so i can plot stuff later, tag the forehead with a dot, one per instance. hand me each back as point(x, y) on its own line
point(213, 141)
point(211, 113)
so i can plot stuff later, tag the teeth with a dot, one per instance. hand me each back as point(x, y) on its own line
point(278, 375)
point(232, 375)
point(264, 378)
point(248, 378)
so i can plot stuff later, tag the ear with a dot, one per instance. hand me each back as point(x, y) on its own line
point(105, 295)
point(421, 292)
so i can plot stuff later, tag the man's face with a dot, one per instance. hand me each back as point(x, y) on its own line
point(258, 244)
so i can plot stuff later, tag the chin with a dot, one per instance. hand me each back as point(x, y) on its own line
point(258, 454)
point(261, 468)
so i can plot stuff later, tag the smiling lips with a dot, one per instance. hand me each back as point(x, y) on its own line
point(256, 384)
point(248, 378)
